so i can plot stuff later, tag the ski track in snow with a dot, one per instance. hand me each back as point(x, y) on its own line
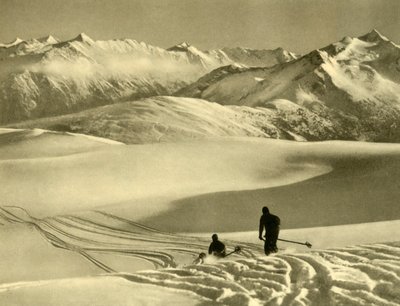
point(357, 275)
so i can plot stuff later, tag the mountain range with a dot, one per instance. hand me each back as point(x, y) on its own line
point(45, 77)
point(348, 90)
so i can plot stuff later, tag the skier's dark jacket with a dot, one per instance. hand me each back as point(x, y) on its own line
point(217, 248)
point(271, 223)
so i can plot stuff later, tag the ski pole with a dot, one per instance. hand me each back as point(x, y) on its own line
point(237, 249)
point(309, 245)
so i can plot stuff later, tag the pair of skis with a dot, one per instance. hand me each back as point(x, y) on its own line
point(202, 255)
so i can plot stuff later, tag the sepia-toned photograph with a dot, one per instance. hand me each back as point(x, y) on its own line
point(199, 152)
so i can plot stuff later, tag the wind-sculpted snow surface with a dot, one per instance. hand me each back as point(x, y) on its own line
point(362, 275)
point(88, 221)
point(358, 275)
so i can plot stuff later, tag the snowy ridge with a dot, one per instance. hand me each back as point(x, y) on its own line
point(164, 119)
point(44, 143)
point(230, 56)
point(173, 118)
point(32, 46)
point(357, 275)
point(16, 41)
point(17, 135)
point(198, 57)
point(257, 58)
point(50, 39)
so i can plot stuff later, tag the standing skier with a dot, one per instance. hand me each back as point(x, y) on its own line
point(271, 224)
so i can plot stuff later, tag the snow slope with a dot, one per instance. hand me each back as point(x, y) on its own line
point(349, 89)
point(355, 275)
point(101, 290)
point(178, 179)
point(84, 221)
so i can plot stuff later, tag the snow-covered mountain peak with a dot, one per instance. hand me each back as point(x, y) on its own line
point(184, 44)
point(374, 36)
point(15, 42)
point(346, 40)
point(364, 48)
point(82, 37)
point(279, 49)
point(182, 47)
point(257, 57)
point(207, 60)
point(50, 40)
point(283, 52)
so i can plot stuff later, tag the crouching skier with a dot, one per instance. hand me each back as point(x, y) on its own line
point(217, 248)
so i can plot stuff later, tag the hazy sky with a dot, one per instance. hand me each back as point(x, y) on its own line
point(296, 25)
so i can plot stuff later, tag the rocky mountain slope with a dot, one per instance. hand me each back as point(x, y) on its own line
point(352, 87)
point(45, 77)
